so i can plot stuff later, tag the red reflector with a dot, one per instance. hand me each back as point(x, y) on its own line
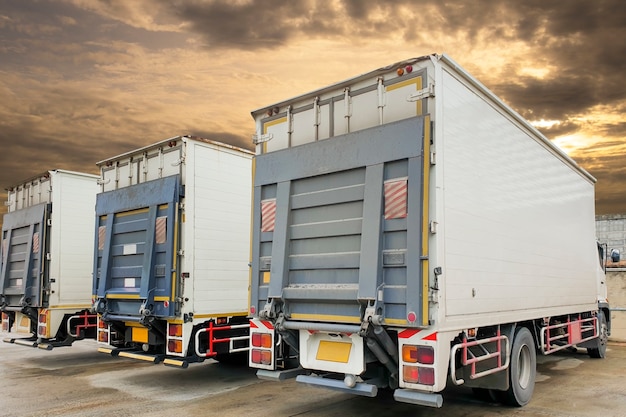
point(103, 337)
point(426, 376)
point(256, 339)
point(42, 330)
point(42, 318)
point(426, 355)
point(101, 324)
point(411, 317)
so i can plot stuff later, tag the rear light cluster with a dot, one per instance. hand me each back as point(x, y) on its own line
point(261, 348)
point(42, 325)
point(175, 338)
point(408, 69)
point(5, 322)
point(421, 355)
point(103, 331)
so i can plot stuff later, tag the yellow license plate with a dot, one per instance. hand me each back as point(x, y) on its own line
point(334, 351)
point(140, 334)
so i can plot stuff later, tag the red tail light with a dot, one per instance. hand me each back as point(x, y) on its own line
point(262, 340)
point(263, 357)
point(419, 354)
point(175, 346)
point(175, 330)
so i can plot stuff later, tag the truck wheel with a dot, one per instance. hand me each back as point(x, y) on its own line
point(599, 352)
point(523, 369)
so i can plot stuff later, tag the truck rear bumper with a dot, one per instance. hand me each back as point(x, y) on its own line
point(419, 398)
point(360, 388)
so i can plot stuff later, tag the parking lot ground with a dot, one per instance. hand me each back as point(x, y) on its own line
point(79, 381)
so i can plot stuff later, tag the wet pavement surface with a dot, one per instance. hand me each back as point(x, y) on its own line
point(79, 381)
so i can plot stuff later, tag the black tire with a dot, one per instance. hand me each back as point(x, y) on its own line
point(522, 369)
point(599, 352)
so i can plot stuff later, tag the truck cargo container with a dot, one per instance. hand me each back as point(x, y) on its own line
point(171, 252)
point(46, 261)
point(410, 229)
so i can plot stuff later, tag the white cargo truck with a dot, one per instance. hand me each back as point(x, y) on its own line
point(171, 252)
point(46, 259)
point(409, 229)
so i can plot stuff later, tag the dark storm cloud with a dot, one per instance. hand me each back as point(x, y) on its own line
point(83, 80)
point(582, 40)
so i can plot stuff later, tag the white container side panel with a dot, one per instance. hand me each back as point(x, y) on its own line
point(71, 238)
point(217, 228)
point(518, 223)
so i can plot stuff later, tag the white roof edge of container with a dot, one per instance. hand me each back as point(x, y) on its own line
point(345, 83)
point(48, 172)
point(480, 86)
point(165, 141)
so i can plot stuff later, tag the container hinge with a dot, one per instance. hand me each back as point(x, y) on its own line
point(256, 139)
point(422, 94)
point(49, 222)
point(181, 252)
point(103, 181)
point(48, 256)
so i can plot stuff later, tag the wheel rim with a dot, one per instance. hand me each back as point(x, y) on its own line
point(603, 334)
point(524, 367)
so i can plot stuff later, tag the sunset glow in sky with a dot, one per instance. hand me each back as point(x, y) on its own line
point(85, 80)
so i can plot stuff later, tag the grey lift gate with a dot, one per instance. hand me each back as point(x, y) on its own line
point(23, 270)
point(135, 250)
point(325, 244)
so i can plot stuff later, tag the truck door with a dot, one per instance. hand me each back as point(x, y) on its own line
point(136, 243)
point(341, 225)
point(24, 275)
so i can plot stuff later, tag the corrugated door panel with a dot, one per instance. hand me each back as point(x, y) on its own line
point(23, 272)
point(325, 244)
point(135, 256)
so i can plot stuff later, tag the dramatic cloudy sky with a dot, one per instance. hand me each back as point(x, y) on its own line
point(84, 80)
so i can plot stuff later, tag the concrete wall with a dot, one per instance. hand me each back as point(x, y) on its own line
point(611, 229)
point(616, 283)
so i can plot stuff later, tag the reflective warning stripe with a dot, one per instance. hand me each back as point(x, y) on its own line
point(396, 198)
point(160, 230)
point(425, 334)
point(36, 242)
point(102, 230)
point(268, 215)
